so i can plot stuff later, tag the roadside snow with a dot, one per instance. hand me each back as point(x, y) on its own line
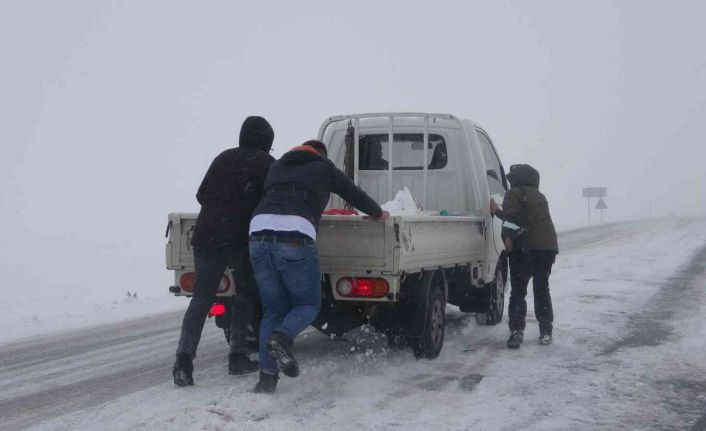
point(45, 310)
point(597, 374)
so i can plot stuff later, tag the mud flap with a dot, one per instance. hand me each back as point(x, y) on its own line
point(418, 294)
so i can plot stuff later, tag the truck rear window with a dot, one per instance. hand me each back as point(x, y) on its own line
point(407, 152)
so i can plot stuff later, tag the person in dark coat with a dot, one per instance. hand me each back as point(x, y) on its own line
point(228, 194)
point(531, 254)
point(283, 250)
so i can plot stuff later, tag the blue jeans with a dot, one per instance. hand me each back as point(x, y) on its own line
point(289, 280)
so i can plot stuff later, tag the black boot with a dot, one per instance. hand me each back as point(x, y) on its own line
point(545, 334)
point(267, 383)
point(239, 363)
point(183, 370)
point(516, 338)
point(278, 346)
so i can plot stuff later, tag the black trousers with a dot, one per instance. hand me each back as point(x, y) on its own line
point(211, 262)
point(536, 265)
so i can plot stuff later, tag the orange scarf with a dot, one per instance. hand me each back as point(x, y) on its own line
point(306, 148)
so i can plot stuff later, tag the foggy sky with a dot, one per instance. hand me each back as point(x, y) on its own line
point(112, 111)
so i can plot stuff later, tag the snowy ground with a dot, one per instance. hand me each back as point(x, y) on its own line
point(47, 310)
point(629, 352)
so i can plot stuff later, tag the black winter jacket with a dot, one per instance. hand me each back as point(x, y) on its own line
point(300, 183)
point(527, 207)
point(228, 194)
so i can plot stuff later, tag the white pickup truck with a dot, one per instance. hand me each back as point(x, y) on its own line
point(399, 275)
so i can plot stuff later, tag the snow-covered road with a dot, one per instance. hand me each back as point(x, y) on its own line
point(629, 353)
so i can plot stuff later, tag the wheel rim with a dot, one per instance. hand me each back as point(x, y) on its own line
point(437, 323)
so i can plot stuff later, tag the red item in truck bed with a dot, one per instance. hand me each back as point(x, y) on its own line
point(340, 211)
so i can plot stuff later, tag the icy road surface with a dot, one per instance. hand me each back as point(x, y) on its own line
point(629, 353)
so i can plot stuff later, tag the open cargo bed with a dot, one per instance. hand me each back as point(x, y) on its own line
point(353, 245)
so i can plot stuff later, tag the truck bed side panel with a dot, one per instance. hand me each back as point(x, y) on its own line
point(180, 255)
point(432, 242)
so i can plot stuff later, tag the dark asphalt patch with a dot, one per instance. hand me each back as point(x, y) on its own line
point(679, 298)
point(652, 326)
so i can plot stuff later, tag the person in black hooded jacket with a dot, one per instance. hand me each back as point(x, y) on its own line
point(283, 250)
point(531, 255)
point(228, 194)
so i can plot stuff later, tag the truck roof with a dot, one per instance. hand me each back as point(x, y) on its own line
point(381, 119)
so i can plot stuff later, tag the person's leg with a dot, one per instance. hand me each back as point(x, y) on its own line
point(210, 265)
point(298, 265)
point(242, 311)
point(245, 301)
point(519, 278)
point(542, 262)
point(275, 303)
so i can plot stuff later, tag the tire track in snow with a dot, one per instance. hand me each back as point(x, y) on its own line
point(60, 374)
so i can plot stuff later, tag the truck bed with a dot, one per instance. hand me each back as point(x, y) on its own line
point(353, 245)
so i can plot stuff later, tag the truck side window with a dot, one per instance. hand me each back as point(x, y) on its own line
point(372, 152)
point(495, 173)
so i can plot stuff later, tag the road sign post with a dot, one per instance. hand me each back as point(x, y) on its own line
point(595, 192)
point(601, 205)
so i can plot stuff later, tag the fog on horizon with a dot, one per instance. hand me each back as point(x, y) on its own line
point(113, 110)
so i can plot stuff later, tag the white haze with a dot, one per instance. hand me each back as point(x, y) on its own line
point(112, 111)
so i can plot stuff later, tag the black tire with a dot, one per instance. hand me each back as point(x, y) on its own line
point(430, 343)
point(494, 315)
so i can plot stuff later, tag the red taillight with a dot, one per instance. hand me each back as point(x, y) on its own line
point(186, 281)
point(217, 309)
point(225, 284)
point(362, 287)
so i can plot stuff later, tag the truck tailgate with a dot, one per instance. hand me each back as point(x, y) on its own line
point(354, 245)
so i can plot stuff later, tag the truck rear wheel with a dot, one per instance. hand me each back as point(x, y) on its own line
point(429, 344)
point(494, 315)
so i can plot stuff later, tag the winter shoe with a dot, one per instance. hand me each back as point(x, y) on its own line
point(183, 370)
point(267, 383)
point(278, 346)
point(239, 363)
point(516, 338)
point(545, 335)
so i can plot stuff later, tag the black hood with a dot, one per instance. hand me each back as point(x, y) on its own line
point(297, 157)
point(523, 175)
point(256, 133)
